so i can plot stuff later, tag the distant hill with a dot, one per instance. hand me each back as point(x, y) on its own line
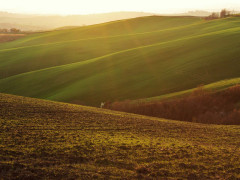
point(196, 13)
point(45, 22)
point(34, 22)
point(19, 26)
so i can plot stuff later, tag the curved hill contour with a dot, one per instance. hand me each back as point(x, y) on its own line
point(129, 59)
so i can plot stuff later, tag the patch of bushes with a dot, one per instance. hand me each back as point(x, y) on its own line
point(223, 14)
point(200, 106)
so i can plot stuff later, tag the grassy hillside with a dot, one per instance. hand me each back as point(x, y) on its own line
point(217, 86)
point(79, 44)
point(43, 139)
point(130, 59)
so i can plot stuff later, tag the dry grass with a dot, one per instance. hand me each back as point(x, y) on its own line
point(10, 37)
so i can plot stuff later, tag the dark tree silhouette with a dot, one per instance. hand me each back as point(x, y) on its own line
point(14, 30)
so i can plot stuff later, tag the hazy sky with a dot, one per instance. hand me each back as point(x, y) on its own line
point(99, 6)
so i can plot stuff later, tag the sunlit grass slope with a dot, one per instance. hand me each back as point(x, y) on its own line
point(55, 48)
point(48, 140)
point(149, 59)
point(213, 87)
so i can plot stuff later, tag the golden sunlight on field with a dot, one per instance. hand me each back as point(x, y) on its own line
point(10, 37)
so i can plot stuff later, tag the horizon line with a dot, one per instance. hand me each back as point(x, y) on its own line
point(146, 12)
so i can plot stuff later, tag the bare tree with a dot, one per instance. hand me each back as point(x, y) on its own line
point(225, 13)
point(214, 15)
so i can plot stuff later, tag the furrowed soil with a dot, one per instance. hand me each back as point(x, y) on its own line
point(47, 140)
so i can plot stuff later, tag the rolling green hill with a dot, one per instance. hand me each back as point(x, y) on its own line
point(129, 59)
point(79, 44)
point(41, 139)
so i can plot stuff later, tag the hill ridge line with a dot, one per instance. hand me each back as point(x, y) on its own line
point(104, 37)
point(95, 109)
